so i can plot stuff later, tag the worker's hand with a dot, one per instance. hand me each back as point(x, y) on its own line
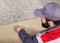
point(17, 28)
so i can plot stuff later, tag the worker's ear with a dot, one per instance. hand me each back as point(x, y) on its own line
point(51, 23)
point(43, 20)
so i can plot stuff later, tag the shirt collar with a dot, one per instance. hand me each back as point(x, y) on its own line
point(53, 27)
point(50, 29)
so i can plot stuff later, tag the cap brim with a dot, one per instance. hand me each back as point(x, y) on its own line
point(38, 13)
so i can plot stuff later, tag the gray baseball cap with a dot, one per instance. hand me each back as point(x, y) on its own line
point(50, 11)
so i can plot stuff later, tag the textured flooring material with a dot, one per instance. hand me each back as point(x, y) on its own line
point(17, 10)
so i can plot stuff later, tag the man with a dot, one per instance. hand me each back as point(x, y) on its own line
point(50, 18)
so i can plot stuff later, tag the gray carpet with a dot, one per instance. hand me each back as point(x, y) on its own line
point(12, 11)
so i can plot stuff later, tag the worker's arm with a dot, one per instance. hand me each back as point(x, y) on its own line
point(25, 37)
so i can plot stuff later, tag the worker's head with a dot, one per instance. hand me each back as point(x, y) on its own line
point(50, 14)
point(49, 23)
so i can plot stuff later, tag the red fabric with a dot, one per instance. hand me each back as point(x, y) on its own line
point(51, 35)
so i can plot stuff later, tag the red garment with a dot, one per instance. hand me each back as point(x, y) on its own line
point(53, 36)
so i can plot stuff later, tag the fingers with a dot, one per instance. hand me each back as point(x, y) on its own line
point(17, 28)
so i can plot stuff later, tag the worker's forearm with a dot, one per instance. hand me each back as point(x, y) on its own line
point(25, 37)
